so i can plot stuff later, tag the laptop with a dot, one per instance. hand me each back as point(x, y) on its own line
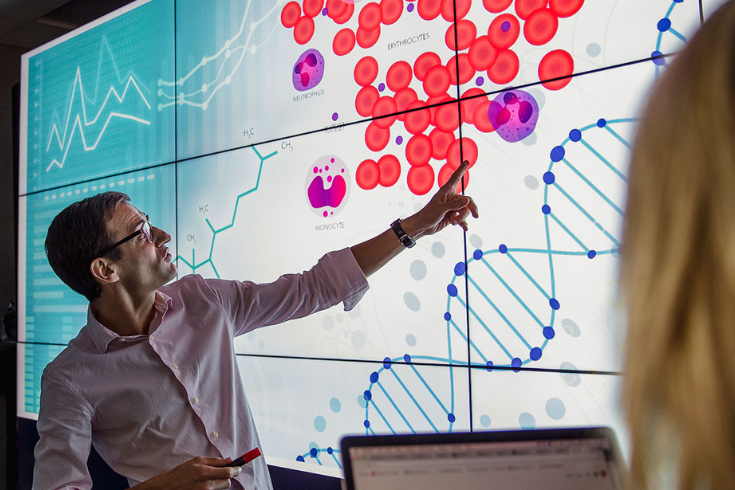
point(548, 459)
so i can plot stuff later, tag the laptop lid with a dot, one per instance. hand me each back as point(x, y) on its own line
point(548, 459)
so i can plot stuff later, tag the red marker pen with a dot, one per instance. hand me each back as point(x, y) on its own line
point(246, 458)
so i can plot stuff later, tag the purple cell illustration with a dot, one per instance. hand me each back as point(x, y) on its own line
point(308, 70)
point(514, 115)
point(327, 186)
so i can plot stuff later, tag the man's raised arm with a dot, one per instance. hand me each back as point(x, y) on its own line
point(445, 207)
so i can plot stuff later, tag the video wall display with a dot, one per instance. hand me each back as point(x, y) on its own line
point(263, 134)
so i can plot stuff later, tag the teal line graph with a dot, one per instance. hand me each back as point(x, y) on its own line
point(192, 263)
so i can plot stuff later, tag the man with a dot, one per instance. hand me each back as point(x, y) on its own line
point(152, 379)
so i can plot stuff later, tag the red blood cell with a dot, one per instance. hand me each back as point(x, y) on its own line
point(392, 10)
point(366, 99)
point(446, 172)
point(367, 175)
point(344, 42)
point(347, 14)
point(384, 106)
point(376, 138)
point(503, 31)
point(303, 30)
point(404, 98)
point(482, 54)
point(366, 70)
point(335, 8)
point(312, 8)
point(390, 170)
point(418, 150)
point(429, 9)
point(468, 152)
point(466, 32)
point(505, 68)
point(420, 179)
point(437, 81)
point(481, 118)
point(399, 76)
point(290, 14)
point(554, 64)
point(524, 8)
point(466, 72)
point(440, 141)
point(470, 100)
point(424, 63)
point(565, 8)
point(496, 6)
point(370, 16)
point(541, 26)
point(416, 121)
point(447, 117)
point(448, 6)
point(367, 39)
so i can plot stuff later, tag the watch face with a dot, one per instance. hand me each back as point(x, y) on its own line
point(407, 241)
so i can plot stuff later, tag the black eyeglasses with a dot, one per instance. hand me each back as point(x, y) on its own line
point(145, 230)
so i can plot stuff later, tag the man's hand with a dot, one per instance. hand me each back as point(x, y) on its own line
point(199, 473)
point(445, 208)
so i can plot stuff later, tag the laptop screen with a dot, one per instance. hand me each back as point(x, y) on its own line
point(569, 463)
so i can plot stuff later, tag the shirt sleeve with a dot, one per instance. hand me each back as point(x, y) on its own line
point(65, 430)
point(336, 278)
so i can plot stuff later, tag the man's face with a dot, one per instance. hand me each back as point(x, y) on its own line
point(144, 266)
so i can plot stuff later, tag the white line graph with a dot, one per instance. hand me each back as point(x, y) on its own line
point(81, 121)
point(225, 52)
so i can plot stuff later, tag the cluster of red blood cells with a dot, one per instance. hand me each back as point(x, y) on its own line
point(429, 117)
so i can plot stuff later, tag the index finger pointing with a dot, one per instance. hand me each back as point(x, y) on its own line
point(457, 175)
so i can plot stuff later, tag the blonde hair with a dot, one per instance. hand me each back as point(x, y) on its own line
point(678, 269)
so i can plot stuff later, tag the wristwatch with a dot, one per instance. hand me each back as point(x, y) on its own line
point(406, 240)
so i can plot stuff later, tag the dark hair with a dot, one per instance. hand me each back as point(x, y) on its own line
point(77, 235)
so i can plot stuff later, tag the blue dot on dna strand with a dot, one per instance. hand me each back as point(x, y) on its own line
point(658, 58)
point(452, 290)
point(549, 177)
point(386, 365)
point(557, 153)
point(477, 254)
point(575, 135)
point(516, 363)
point(367, 394)
point(554, 303)
point(664, 25)
point(601, 123)
point(313, 452)
point(407, 358)
point(489, 366)
point(300, 459)
point(366, 424)
point(536, 353)
point(503, 249)
point(546, 209)
point(549, 333)
point(447, 316)
point(591, 254)
point(460, 269)
point(373, 377)
point(451, 418)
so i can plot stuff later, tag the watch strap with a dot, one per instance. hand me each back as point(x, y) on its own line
point(403, 237)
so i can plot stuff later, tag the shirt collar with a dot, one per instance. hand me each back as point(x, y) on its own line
point(103, 336)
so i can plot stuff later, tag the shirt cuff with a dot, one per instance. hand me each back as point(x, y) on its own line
point(346, 276)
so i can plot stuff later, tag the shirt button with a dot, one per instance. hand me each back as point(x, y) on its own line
point(215, 434)
point(196, 399)
point(151, 338)
point(175, 366)
point(121, 339)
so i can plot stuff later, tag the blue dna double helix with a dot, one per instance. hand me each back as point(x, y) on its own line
point(667, 35)
point(513, 304)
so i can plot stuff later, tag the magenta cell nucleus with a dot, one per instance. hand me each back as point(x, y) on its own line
point(327, 186)
point(514, 115)
point(308, 70)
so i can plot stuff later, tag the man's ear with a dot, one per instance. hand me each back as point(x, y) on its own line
point(104, 271)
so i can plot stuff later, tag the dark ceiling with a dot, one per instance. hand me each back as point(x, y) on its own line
point(31, 23)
